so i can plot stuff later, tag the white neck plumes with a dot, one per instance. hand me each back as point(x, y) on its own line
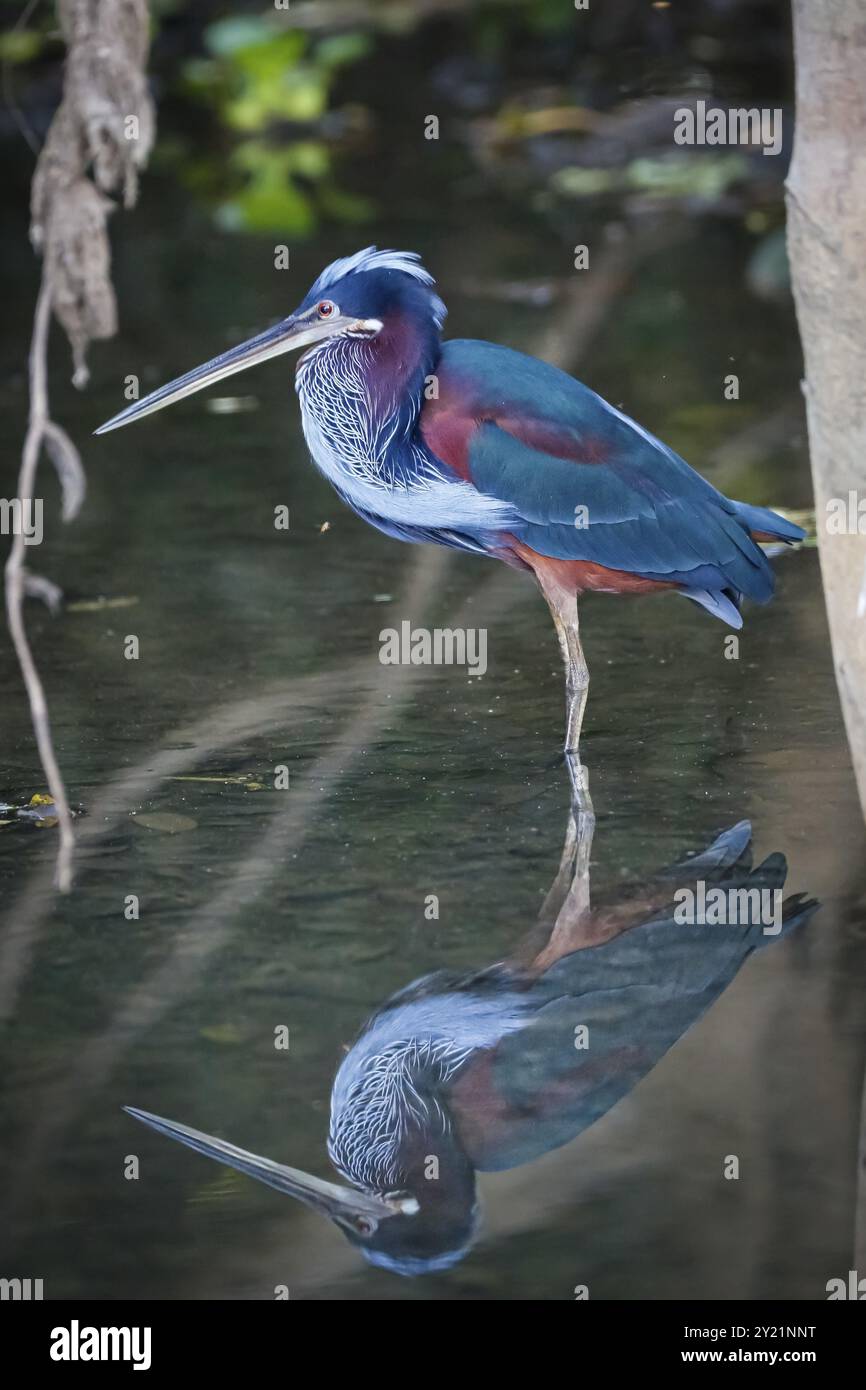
point(388, 1083)
point(349, 432)
point(365, 441)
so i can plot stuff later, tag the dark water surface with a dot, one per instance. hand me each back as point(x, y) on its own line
point(305, 907)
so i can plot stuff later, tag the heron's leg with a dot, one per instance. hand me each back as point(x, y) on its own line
point(569, 893)
point(566, 912)
point(583, 815)
point(562, 603)
point(565, 922)
point(576, 680)
point(559, 889)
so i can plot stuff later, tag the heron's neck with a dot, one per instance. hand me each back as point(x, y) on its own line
point(403, 359)
point(379, 1108)
point(360, 399)
point(393, 1085)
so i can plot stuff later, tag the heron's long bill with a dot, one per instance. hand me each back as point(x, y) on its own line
point(282, 337)
point(332, 1199)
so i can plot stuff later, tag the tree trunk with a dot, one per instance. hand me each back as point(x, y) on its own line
point(827, 244)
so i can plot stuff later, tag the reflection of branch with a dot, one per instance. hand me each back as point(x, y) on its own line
point(16, 584)
point(586, 307)
point(186, 747)
point(209, 927)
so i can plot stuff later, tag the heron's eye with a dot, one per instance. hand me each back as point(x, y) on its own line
point(403, 1202)
point(364, 1225)
point(326, 309)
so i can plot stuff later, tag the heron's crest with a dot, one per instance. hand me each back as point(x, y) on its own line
point(407, 262)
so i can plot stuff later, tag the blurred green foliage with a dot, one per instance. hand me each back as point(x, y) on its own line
point(21, 45)
point(270, 199)
point(531, 86)
point(259, 76)
point(260, 73)
point(703, 176)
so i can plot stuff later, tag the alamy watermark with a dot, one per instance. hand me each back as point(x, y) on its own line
point(846, 516)
point(700, 125)
point(438, 646)
point(851, 1288)
point(729, 907)
point(77, 1343)
point(20, 1290)
point(22, 517)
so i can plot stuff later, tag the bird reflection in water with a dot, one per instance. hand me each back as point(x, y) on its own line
point(464, 1073)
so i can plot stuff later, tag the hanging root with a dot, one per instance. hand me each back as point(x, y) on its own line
point(98, 140)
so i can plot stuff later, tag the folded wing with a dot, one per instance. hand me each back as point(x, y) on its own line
point(587, 483)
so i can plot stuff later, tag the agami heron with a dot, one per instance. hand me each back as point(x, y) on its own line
point(471, 445)
point(457, 1074)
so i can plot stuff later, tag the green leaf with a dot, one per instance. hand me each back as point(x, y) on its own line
point(20, 45)
point(697, 175)
point(342, 48)
point(226, 36)
point(581, 183)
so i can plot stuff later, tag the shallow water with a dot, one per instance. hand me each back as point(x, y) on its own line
point(305, 908)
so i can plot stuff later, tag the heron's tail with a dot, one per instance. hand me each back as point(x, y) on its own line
point(703, 915)
point(767, 525)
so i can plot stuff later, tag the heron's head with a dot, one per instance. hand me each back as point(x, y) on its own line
point(370, 293)
point(428, 1224)
point(439, 1216)
point(373, 294)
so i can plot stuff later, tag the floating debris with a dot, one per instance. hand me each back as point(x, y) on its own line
point(40, 812)
point(223, 1033)
point(168, 822)
point(96, 605)
point(244, 779)
point(231, 405)
point(226, 1184)
point(535, 293)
